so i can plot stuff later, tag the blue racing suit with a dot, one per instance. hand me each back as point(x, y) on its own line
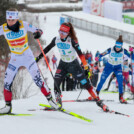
point(114, 64)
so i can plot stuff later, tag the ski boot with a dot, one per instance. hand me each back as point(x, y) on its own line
point(90, 98)
point(102, 105)
point(7, 109)
point(58, 98)
point(52, 102)
point(122, 100)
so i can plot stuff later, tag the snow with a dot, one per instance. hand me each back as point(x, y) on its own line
point(49, 122)
point(53, 5)
point(53, 122)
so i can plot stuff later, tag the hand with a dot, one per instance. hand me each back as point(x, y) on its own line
point(131, 49)
point(96, 58)
point(37, 59)
point(87, 72)
point(37, 34)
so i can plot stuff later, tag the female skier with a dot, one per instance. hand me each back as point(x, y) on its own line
point(15, 32)
point(114, 64)
point(68, 46)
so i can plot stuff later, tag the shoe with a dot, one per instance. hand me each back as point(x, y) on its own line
point(122, 100)
point(58, 98)
point(102, 105)
point(7, 109)
point(106, 89)
point(52, 102)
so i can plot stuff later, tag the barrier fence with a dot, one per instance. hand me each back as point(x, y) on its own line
point(100, 29)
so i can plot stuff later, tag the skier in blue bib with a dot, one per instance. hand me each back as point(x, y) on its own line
point(114, 64)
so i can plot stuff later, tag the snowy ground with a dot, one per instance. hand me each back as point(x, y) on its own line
point(53, 122)
point(59, 123)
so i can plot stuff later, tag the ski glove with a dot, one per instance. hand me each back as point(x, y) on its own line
point(96, 58)
point(38, 34)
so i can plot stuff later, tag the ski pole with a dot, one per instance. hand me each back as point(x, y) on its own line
point(79, 94)
point(48, 64)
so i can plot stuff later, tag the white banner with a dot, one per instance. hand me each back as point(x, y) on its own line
point(113, 10)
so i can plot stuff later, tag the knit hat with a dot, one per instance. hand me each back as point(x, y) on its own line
point(119, 42)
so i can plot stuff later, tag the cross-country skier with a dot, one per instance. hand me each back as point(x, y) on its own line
point(15, 32)
point(126, 72)
point(114, 64)
point(68, 46)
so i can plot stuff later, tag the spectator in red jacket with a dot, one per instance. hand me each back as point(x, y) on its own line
point(54, 60)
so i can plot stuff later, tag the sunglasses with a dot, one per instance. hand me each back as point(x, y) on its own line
point(118, 46)
point(62, 32)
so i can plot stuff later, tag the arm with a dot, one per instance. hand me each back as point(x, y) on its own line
point(126, 53)
point(36, 32)
point(29, 27)
point(105, 53)
point(47, 49)
point(78, 50)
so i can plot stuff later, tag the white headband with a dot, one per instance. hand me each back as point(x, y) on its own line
point(12, 15)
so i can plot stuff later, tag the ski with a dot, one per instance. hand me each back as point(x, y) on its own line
point(15, 114)
point(109, 92)
point(85, 100)
point(115, 112)
point(69, 113)
point(44, 109)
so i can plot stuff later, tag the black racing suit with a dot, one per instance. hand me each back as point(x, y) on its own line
point(68, 67)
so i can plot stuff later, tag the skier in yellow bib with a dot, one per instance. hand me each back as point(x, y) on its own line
point(15, 32)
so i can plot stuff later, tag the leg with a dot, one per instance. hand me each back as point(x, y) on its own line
point(34, 71)
point(78, 74)
point(9, 77)
point(118, 73)
point(106, 72)
point(59, 76)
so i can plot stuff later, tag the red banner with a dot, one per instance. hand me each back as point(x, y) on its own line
point(128, 5)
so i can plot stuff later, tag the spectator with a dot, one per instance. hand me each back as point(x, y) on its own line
point(54, 60)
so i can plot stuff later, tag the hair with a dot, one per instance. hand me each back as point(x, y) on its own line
point(120, 39)
point(72, 32)
point(12, 9)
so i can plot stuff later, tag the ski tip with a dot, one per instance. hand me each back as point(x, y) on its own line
point(15, 114)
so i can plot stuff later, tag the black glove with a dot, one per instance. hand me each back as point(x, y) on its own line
point(37, 59)
point(37, 34)
point(86, 71)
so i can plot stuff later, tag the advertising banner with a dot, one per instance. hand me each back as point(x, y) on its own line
point(97, 7)
point(128, 19)
point(113, 10)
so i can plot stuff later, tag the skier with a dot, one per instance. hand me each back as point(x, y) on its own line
point(114, 64)
point(95, 74)
point(68, 46)
point(15, 32)
point(126, 72)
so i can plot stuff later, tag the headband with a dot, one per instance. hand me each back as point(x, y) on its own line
point(118, 44)
point(12, 15)
point(64, 28)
